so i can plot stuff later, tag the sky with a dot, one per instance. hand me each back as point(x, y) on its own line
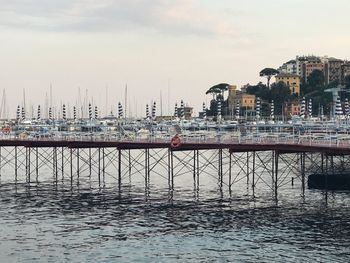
point(169, 49)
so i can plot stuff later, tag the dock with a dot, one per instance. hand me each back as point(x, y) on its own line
point(229, 160)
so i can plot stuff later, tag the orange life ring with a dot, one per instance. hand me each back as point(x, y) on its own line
point(6, 130)
point(175, 141)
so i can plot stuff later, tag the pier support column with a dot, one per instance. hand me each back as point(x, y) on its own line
point(28, 164)
point(230, 173)
point(71, 167)
point(119, 168)
point(197, 170)
point(220, 169)
point(90, 167)
point(169, 168)
point(29, 167)
point(247, 168)
point(99, 167)
point(103, 165)
point(16, 165)
point(194, 169)
point(172, 169)
point(62, 162)
point(0, 163)
point(129, 163)
point(56, 165)
point(303, 173)
point(37, 164)
point(253, 174)
point(53, 165)
point(327, 171)
point(146, 166)
point(276, 173)
point(78, 165)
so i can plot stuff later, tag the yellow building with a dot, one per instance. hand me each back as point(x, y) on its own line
point(291, 80)
point(247, 101)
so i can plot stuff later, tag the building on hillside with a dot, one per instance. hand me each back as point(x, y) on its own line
point(247, 105)
point(333, 70)
point(232, 98)
point(310, 66)
point(345, 71)
point(291, 80)
point(292, 109)
point(289, 67)
point(305, 65)
point(247, 101)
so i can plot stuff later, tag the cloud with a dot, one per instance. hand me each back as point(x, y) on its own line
point(185, 17)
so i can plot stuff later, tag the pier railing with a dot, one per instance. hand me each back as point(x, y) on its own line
point(325, 140)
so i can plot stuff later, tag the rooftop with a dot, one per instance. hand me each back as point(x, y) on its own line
point(331, 59)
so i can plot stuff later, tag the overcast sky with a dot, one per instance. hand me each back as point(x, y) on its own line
point(154, 46)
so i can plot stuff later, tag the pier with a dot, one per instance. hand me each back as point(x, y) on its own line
point(287, 160)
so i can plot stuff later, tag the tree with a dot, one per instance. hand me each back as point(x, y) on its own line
point(268, 73)
point(214, 91)
point(315, 88)
point(218, 92)
point(347, 81)
point(316, 78)
point(213, 108)
point(315, 84)
point(260, 90)
point(280, 94)
point(222, 87)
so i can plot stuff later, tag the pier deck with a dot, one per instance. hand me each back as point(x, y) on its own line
point(244, 145)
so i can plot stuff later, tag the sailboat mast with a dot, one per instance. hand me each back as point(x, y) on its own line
point(50, 95)
point(24, 100)
point(161, 103)
point(2, 103)
point(46, 106)
point(106, 106)
point(169, 97)
point(126, 96)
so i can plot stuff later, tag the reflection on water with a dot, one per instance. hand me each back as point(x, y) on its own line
point(49, 222)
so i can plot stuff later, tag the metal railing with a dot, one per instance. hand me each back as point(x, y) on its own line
point(324, 140)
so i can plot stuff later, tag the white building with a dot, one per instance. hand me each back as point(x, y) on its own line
point(289, 67)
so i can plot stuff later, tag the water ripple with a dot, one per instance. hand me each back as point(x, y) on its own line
point(57, 223)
